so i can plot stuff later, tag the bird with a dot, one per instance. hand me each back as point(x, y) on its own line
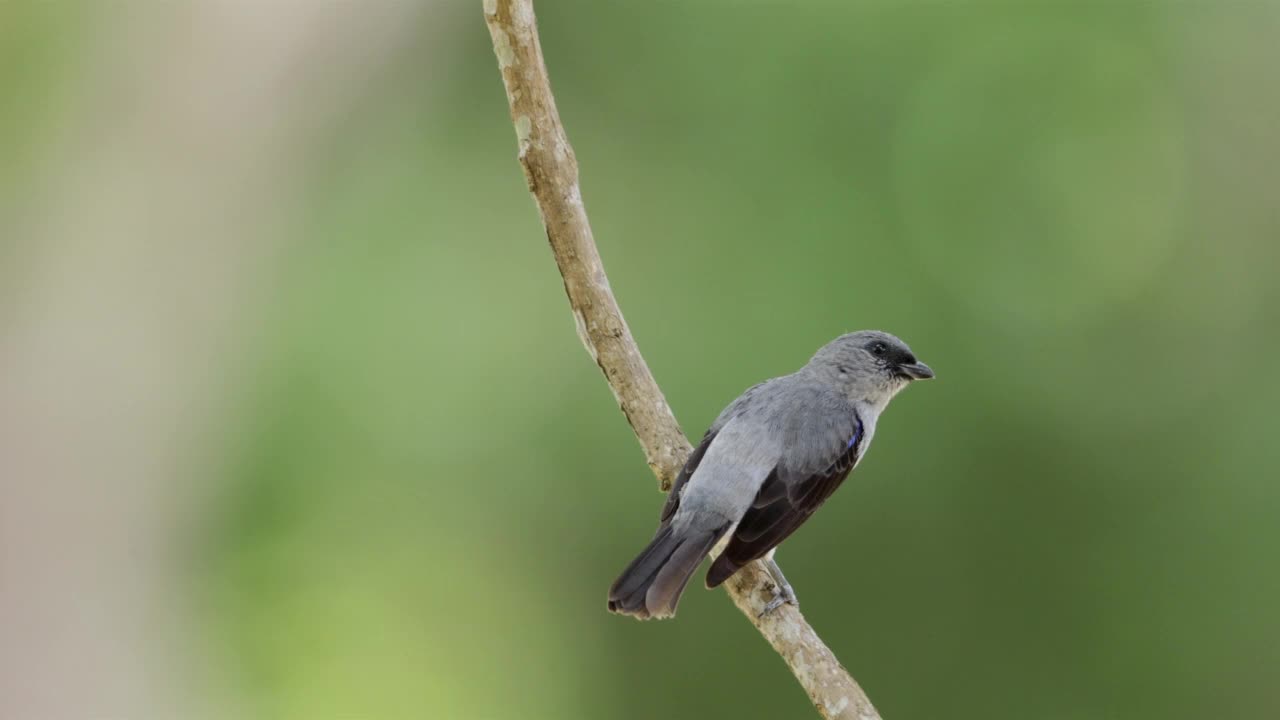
point(771, 458)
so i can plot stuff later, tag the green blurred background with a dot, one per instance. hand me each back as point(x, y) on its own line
point(407, 488)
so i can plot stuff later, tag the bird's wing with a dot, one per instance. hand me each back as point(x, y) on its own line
point(828, 448)
point(691, 464)
point(673, 498)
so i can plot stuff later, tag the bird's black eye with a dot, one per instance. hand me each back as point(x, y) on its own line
point(879, 349)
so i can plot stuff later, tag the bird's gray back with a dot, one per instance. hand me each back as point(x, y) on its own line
point(793, 422)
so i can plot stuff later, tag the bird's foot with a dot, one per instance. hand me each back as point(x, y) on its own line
point(782, 594)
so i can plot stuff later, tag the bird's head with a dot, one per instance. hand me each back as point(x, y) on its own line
point(871, 365)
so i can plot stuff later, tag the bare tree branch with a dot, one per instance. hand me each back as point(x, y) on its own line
point(552, 172)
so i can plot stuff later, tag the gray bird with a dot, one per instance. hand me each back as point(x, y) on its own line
point(766, 464)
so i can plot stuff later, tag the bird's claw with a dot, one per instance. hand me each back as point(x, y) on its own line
point(782, 594)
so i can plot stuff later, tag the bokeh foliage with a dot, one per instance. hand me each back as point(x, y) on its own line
point(1069, 210)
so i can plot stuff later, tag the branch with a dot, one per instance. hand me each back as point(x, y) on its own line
point(552, 173)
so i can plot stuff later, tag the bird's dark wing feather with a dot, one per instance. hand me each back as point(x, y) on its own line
point(787, 498)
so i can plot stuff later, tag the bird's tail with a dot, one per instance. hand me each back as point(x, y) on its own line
point(651, 585)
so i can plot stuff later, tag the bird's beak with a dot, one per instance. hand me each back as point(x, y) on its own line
point(916, 371)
